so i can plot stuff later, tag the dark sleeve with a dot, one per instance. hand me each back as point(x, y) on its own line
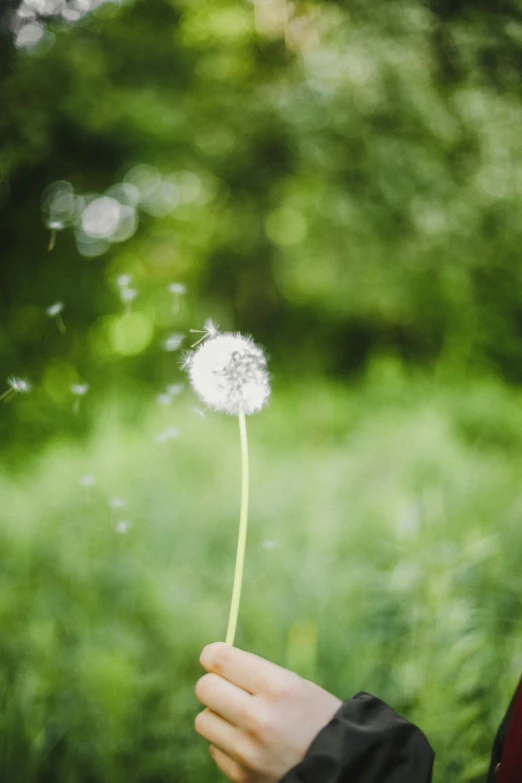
point(366, 742)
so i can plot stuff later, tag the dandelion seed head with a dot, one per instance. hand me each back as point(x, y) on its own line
point(163, 399)
point(88, 481)
point(80, 389)
point(177, 288)
point(228, 373)
point(122, 526)
point(19, 385)
point(55, 309)
point(173, 342)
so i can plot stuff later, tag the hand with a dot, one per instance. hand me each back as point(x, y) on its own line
point(261, 718)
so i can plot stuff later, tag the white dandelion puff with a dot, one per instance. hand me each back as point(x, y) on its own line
point(88, 481)
point(270, 545)
point(228, 373)
point(122, 526)
point(16, 385)
point(163, 399)
point(173, 342)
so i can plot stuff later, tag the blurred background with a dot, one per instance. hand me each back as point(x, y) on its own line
point(342, 181)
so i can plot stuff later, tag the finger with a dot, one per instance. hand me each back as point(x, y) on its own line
point(251, 672)
point(232, 769)
point(221, 734)
point(225, 699)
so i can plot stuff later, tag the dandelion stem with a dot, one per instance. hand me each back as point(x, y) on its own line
point(52, 240)
point(61, 326)
point(241, 544)
point(6, 394)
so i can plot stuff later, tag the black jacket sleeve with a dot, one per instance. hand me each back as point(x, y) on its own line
point(368, 742)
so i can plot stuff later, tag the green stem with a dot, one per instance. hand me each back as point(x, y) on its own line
point(241, 544)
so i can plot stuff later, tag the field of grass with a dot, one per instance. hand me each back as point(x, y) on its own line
point(383, 555)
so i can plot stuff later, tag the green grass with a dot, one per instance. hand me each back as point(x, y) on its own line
point(395, 506)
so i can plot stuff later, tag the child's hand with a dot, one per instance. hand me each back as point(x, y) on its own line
point(261, 718)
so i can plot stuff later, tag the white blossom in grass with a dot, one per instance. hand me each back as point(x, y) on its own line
point(228, 373)
point(173, 342)
point(122, 526)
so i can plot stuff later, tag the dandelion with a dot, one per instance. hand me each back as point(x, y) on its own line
point(88, 481)
point(117, 503)
point(169, 434)
point(270, 545)
point(124, 281)
point(174, 389)
point(54, 226)
point(122, 526)
point(164, 399)
point(15, 385)
point(173, 342)
point(128, 295)
point(177, 289)
point(228, 373)
point(54, 311)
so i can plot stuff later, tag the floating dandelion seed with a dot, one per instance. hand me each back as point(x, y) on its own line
point(173, 342)
point(54, 226)
point(54, 311)
point(174, 389)
point(79, 390)
point(210, 330)
point(117, 503)
point(200, 412)
point(270, 545)
point(124, 281)
point(169, 434)
point(228, 372)
point(15, 385)
point(122, 526)
point(177, 289)
point(88, 481)
point(128, 295)
point(164, 399)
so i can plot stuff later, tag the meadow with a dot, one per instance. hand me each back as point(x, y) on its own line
point(383, 555)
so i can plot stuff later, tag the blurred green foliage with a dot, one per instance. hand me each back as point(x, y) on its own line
point(397, 556)
point(360, 181)
point(350, 192)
